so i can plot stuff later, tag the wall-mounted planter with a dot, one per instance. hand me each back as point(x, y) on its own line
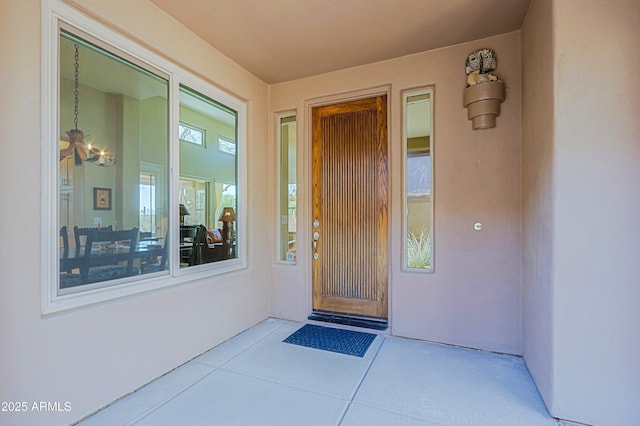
point(483, 103)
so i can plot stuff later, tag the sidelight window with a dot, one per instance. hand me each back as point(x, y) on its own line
point(418, 188)
point(288, 188)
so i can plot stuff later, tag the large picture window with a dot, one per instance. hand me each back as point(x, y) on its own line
point(114, 127)
point(128, 175)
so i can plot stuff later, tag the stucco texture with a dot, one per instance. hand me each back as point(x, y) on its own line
point(95, 355)
point(473, 298)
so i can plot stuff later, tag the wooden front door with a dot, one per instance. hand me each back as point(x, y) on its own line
point(350, 180)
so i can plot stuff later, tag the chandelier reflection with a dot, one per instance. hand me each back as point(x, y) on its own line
point(76, 145)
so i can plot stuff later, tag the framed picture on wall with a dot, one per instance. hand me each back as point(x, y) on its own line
point(101, 198)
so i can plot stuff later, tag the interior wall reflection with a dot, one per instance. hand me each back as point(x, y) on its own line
point(112, 176)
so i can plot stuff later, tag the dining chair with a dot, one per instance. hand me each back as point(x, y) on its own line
point(159, 263)
point(145, 235)
point(64, 236)
point(67, 277)
point(109, 255)
point(80, 235)
point(188, 255)
point(203, 252)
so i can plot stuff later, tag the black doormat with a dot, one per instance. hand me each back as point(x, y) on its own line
point(346, 342)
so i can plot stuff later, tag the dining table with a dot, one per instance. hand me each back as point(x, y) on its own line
point(111, 253)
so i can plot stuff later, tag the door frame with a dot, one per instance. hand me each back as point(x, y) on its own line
point(305, 218)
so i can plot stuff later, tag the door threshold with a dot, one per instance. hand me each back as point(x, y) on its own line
point(363, 322)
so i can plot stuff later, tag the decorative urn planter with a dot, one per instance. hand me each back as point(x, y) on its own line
point(483, 101)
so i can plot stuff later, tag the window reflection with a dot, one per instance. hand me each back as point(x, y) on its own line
point(114, 153)
point(208, 176)
point(418, 181)
point(288, 188)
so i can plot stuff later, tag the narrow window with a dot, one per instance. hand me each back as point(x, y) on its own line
point(194, 196)
point(147, 205)
point(226, 145)
point(288, 188)
point(418, 224)
point(191, 134)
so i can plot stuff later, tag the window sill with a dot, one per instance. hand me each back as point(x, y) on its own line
point(59, 303)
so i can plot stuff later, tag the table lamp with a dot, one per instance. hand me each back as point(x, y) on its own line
point(183, 212)
point(228, 216)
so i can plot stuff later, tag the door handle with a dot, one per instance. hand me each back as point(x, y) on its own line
point(316, 237)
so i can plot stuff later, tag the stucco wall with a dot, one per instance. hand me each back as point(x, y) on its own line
point(94, 355)
point(597, 206)
point(581, 208)
point(537, 193)
point(473, 298)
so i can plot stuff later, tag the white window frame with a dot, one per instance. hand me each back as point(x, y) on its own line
point(53, 14)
